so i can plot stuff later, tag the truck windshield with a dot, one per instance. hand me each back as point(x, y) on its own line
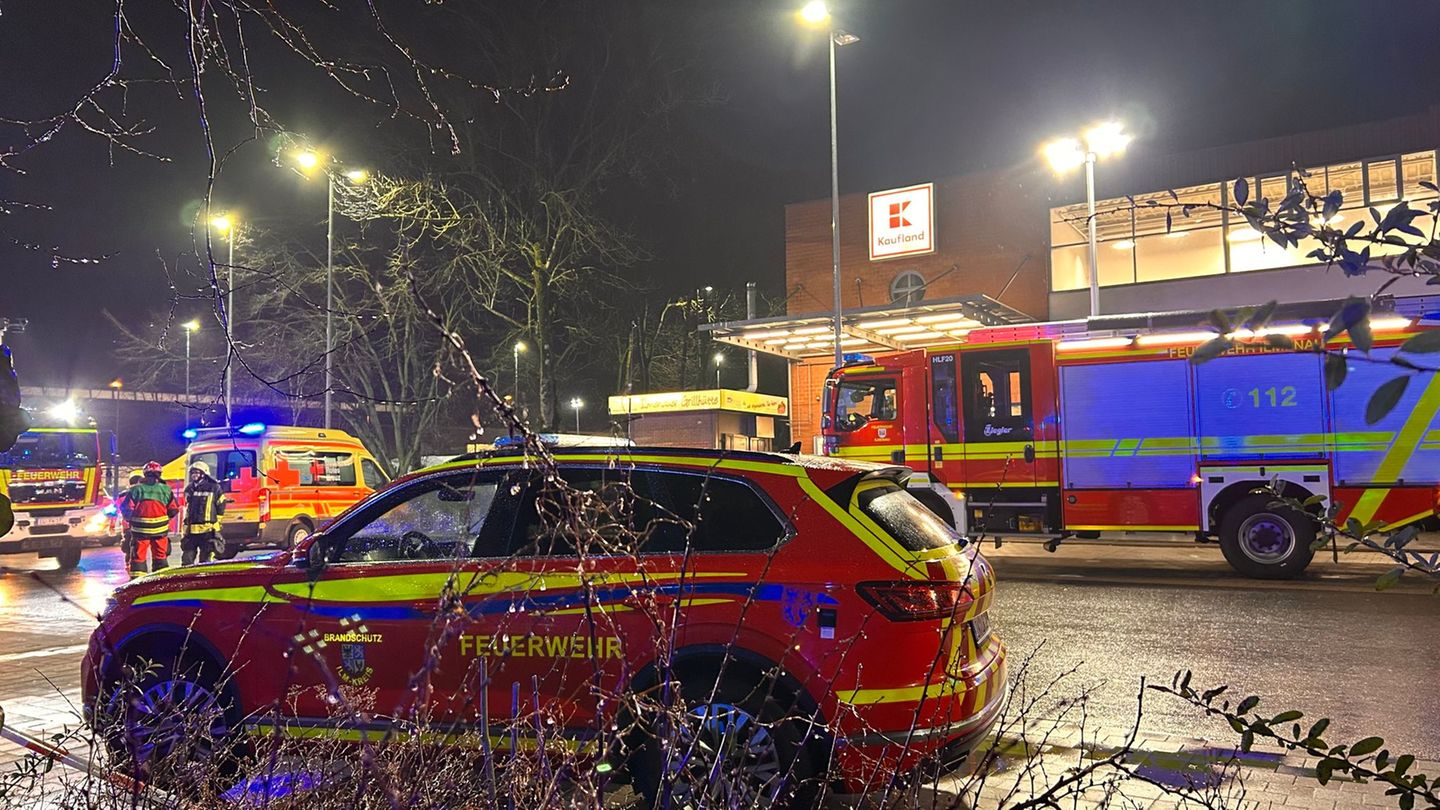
point(861, 399)
point(44, 448)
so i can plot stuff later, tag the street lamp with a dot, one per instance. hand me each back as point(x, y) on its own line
point(816, 14)
point(115, 386)
point(227, 226)
point(719, 361)
point(519, 347)
point(308, 161)
point(189, 327)
point(1064, 154)
point(577, 403)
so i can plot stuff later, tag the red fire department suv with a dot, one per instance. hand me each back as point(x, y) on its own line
point(778, 591)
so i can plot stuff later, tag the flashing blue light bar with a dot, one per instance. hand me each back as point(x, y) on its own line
point(189, 433)
point(251, 429)
point(857, 359)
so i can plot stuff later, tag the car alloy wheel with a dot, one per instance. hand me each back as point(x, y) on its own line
point(721, 756)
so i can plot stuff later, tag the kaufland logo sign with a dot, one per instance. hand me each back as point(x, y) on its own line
point(902, 222)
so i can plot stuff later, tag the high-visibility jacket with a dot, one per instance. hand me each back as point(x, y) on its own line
point(204, 504)
point(149, 507)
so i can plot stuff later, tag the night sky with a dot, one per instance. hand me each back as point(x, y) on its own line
point(933, 89)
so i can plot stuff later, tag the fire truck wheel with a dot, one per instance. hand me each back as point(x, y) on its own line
point(68, 557)
point(1265, 541)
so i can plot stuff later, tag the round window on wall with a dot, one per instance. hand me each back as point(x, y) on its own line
point(907, 288)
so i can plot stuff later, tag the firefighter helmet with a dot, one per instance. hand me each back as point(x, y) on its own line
point(152, 468)
point(201, 466)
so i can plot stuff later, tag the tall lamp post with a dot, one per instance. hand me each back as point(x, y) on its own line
point(577, 403)
point(115, 386)
point(817, 14)
point(719, 361)
point(226, 225)
point(309, 161)
point(519, 347)
point(189, 327)
point(1064, 154)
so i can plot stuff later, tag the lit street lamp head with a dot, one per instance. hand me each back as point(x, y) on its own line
point(1063, 154)
point(1109, 138)
point(815, 13)
point(357, 176)
point(577, 403)
point(190, 326)
point(307, 160)
point(222, 223)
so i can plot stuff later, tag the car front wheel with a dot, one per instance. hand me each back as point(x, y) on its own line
point(167, 720)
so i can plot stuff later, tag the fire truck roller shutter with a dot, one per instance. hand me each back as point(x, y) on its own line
point(1405, 445)
point(1126, 425)
point(1254, 407)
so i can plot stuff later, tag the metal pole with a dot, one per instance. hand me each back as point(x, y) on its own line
point(516, 351)
point(577, 420)
point(329, 286)
point(1094, 264)
point(187, 378)
point(834, 202)
point(229, 322)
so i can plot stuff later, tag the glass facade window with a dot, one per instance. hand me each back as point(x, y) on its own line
point(1133, 245)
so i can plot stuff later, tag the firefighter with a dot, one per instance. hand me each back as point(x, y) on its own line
point(204, 504)
point(150, 505)
point(122, 507)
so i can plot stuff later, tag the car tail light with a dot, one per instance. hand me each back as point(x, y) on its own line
point(914, 600)
point(264, 505)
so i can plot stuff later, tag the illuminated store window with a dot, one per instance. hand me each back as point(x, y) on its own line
point(1134, 244)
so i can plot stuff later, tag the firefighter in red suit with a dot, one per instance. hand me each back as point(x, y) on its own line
point(150, 506)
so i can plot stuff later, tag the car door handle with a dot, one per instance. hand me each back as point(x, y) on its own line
point(1029, 454)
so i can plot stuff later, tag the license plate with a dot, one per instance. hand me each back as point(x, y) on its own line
point(50, 521)
point(980, 629)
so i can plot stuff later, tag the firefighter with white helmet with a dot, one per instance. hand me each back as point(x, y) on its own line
point(204, 504)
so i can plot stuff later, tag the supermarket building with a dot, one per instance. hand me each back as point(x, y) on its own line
point(923, 263)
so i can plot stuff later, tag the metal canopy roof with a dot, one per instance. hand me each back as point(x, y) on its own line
point(888, 328)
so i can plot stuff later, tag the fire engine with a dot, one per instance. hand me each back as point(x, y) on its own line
point(53, 479)
point(1106, 425)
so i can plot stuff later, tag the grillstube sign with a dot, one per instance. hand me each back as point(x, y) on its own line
point(902, 222)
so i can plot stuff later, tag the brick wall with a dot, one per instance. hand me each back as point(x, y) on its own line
point(986, 225)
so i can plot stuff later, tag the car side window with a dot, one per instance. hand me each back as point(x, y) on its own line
point(438, 519)
point(655, 510)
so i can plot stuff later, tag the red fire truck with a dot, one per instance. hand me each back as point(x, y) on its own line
point(1102, 426)
point(54, 479)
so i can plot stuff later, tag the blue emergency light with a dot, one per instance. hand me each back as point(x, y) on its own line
point(189, 433)
point(252, 429)
point(857, 359)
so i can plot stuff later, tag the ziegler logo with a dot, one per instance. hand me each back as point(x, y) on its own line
point(897, 215)
point(992, 430)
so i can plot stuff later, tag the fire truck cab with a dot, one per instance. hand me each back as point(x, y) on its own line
point(53, 479)
point(1108, 426)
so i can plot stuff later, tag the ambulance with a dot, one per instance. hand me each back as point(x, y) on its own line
point(281, 482)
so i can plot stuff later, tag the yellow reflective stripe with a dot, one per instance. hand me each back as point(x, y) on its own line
point(901, 694)
point(882, 544)
point(982, 485)
point(253, 594)
point(210, 569)
point(415, 587)
point(1178, 527)
point(1407, 521)
point(470, 738)
point(1401, 450)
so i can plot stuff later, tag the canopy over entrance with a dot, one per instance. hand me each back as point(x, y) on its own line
point(871, 329)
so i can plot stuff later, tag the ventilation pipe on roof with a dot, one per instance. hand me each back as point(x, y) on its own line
point(754, 359)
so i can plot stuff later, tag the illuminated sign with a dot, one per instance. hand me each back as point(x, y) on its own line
point(711, 400)
point(902, 222)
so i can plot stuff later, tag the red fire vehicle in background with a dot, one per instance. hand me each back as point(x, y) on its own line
point(1107, 425)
